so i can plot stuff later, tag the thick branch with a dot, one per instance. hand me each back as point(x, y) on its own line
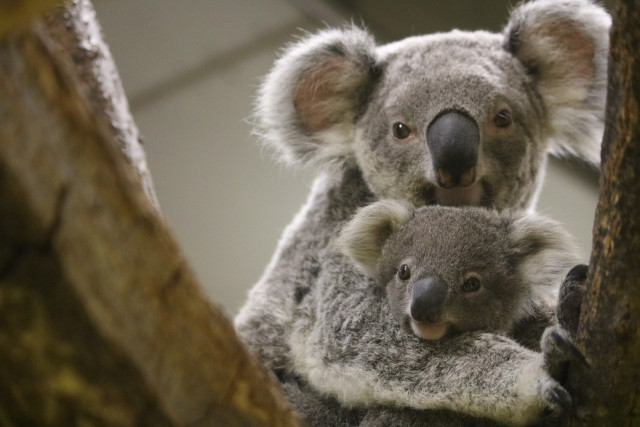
point(102, 320)
point(17, 15)
point(89, 63)
point(609, 333)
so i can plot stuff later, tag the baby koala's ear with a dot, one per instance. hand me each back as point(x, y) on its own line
point(543, 252)
point(363, 237)
point(307, 105)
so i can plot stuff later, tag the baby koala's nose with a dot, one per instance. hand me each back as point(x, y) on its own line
point(428, 299)
point(453, 139)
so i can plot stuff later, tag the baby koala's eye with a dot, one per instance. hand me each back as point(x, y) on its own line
point(472, 284)
point(401, 131)
point(404, 273)
point(502, 119)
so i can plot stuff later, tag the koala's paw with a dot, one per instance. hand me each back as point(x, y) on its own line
point(570, 298)
point(559, 352)
point(548, 398)
point(556, 399)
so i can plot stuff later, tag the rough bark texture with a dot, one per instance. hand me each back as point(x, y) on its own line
point(609, 392)
point(89, 64)
point(17, 15)
point(101, 320)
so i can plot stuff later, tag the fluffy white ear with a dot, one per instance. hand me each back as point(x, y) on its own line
point(544, 253)
point(564, 46)
point(362, 238)
point(307, 105)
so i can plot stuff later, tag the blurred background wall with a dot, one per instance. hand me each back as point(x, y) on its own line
point(190, 70)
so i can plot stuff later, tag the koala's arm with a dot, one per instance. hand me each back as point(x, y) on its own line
point(356, 352)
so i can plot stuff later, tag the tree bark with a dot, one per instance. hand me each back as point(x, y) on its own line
point(101, 319)
point(608, 393)
point(16, 16)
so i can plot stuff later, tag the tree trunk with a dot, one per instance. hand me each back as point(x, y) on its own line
point(101, 320)
point(609, 331)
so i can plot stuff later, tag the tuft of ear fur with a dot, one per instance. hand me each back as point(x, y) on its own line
point(564, 46)
point(308, 103)
point(363, 237)
point(544, 253)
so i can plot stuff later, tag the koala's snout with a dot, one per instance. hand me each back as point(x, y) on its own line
point(453, 139)
point(428, 300)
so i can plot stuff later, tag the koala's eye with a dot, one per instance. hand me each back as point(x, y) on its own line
point(401, 131)
point(471, 284)
point(404, 273)
point(502, 119)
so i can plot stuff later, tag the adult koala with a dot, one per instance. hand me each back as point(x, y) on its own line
point(457, 118)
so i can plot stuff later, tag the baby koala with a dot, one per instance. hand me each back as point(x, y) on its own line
point(449, 270)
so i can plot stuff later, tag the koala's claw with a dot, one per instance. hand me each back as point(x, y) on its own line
point(564, 345)
point(578, 273)
point(559, 351)
point(560, 397)
point(570, 298)
point(558, 347)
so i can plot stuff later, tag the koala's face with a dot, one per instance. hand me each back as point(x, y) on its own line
point(459, 118)
point(447, 272)
point(452, 121)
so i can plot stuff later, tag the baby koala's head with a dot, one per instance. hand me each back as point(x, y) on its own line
point(449, 270)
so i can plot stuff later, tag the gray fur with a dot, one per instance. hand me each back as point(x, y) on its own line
point(360, 91)
point(363, 238)
point(518, 259)
point(331, 100)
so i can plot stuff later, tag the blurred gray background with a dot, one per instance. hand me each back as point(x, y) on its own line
point(190, 69)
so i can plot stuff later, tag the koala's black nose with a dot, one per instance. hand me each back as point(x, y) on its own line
point(428, 300)
point(453, 140)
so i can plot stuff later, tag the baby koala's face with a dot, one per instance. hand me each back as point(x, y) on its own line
point(449, 271)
